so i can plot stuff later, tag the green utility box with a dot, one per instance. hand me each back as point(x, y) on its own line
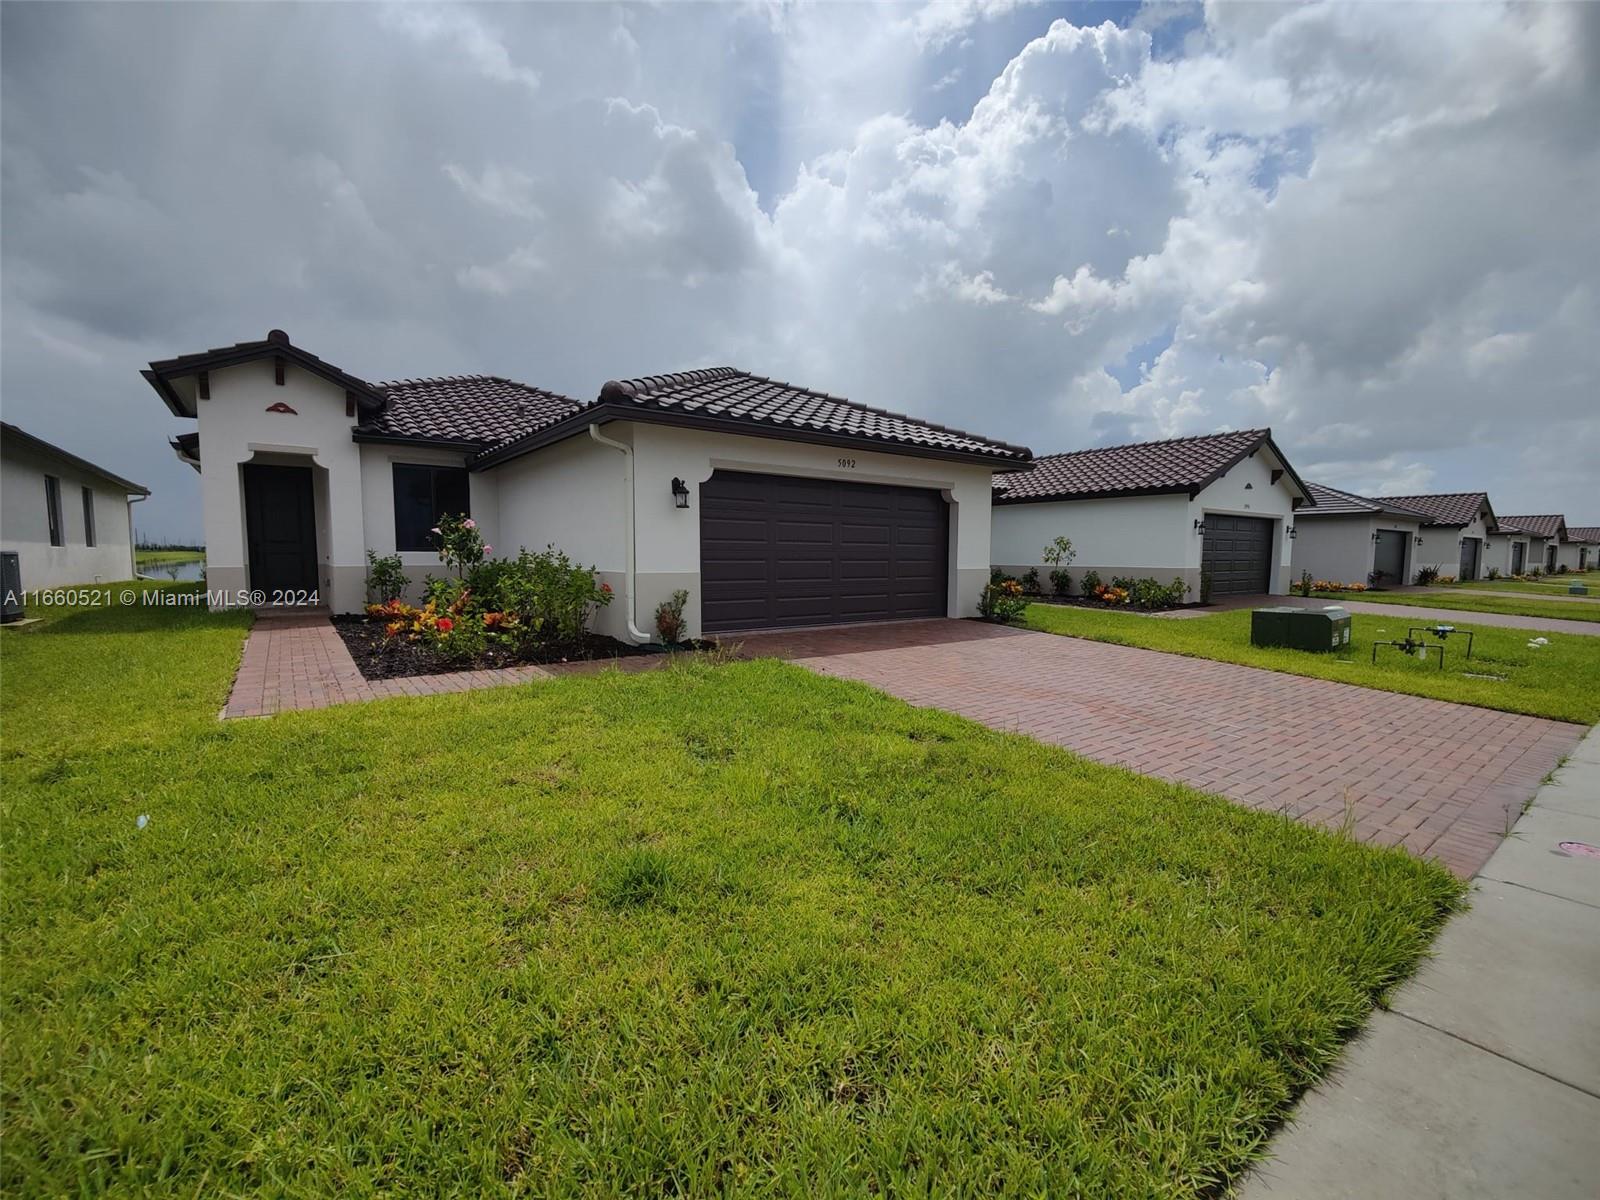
point(1577, 589)
point(1320, 629)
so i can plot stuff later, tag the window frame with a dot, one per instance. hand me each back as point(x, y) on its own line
point(424, 542)
point(52, 508)
point(89, 536)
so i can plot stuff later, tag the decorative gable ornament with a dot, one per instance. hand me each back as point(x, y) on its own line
point(281, 407)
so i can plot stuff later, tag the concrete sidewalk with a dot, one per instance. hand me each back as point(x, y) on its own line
point(1482, 1078)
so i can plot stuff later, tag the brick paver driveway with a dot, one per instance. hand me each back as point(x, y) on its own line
point(1444, 780)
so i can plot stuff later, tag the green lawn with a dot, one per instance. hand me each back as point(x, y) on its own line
point(1468, 601)
point(1548, 584)
point(1558, 680)
point(713, 929)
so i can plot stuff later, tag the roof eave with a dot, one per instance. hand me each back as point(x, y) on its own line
point(397, 439)
point(605, 411)
point(1181, 489)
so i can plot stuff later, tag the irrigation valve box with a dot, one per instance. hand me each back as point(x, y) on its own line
point(1316, 629)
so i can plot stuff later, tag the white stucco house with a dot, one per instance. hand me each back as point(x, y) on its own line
point(1348, 538)
point(1541, 537)
point(771, 504)
point(1581, 550)
point(67, 520)
point(1454, 531)
point(1222, 504)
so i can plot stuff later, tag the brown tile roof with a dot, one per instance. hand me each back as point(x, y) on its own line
point(1444, 508)
point(724, 398)
point(1548, 525)
point(481, 410)
point(1333, 502)
point(276, 344)
point(1583, 533)
point(1185, 464)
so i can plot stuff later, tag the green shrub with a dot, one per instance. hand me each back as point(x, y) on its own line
point(386, 578)
point(1030, 581)
point(1061, 581)
point(1002, 602)
point(1304, 586)
point(669, 618)
point(1426, 576)
point(461, 546)
point(1091, 582)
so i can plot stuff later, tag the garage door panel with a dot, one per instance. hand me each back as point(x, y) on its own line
point(783, 551)
point(1237, 554)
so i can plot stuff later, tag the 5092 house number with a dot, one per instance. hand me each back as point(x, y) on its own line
point(848, 462)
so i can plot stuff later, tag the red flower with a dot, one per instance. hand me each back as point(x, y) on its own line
point(446, 624)
point(606, 588)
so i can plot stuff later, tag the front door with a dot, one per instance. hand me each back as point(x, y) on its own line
point(1517, 550)
point(280, 529)
point(1469, 557)
point(1550, 559)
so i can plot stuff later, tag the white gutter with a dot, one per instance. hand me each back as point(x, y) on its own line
point(133, 548)
point(627, 525)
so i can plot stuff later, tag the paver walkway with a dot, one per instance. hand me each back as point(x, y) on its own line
point(1481, 1079)
point(1441, 779)
point(300, 661)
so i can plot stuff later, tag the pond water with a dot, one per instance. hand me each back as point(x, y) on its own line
point(182, 572)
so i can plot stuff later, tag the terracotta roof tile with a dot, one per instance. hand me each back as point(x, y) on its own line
point(1144, 468)
point(482, 409)
point(1443, 508)
point(1547, 525)
point(733, 395)
point(1334, 502)
point(1583, 533)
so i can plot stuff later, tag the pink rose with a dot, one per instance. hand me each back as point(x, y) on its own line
point(488, 549)
point(469, 523)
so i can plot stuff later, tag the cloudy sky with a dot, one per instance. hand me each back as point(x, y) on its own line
point(1373, 227)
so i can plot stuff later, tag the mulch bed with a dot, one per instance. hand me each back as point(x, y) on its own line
point(378, 656)
point(1083, 602)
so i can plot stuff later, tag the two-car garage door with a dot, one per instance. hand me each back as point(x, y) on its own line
point(780, 551)
point(1237, 554)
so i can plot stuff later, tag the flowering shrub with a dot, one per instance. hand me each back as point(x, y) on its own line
point(1110, 593)
point(461, 546)
point(1445, 579)
point(1002, 602)
point(1333, 585)
point(527, 604)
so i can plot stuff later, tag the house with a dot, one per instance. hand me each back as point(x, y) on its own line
point(772, 505)
point(1453, 533)
point(1581, 550)
point(1542, 536)
point(67, 520)
point(1220, 506)
point(1348, 538)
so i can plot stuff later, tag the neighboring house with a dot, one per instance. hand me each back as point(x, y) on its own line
point(1453, 532)
point(1347, 538)
point(1581, 550)
point(1221, 504)
point(1544, 535)
point(67, 520)
point(770, 504)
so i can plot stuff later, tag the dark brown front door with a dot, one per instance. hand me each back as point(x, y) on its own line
point(1389, 555)
point(778, 551)
point(280, 528)
point(1237, 554)
point(1470, 548)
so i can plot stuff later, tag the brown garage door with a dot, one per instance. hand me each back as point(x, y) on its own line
point(778, 551)
point(1237, 554)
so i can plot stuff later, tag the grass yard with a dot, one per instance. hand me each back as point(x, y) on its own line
point(710, 929)
point(1558, 681)
point(1468, 601)
point(1547, 584)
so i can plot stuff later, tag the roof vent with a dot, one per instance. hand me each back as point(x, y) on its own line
point(277, 337)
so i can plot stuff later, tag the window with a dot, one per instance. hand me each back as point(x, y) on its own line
point(421, 496)
point(88, 517)
point(52, 504)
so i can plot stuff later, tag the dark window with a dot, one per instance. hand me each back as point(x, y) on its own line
point(421, 496)
point(52, 504)
point(88, 517)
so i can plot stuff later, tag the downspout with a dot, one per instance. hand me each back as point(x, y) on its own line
point(133, 550)
point(627, 527)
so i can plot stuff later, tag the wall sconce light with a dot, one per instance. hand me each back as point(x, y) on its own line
point(1199, 525)
point(680, 492)
point(1294, 532)
point(1418, 540)
point(1374, 535)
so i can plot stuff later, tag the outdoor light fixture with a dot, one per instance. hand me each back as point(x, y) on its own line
point(1294, 532)
point(680, 492)
point(1374, 535)
point(1199, 525)
point(1419, 539)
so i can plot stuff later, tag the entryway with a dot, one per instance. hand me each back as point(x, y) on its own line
point(280, 528)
